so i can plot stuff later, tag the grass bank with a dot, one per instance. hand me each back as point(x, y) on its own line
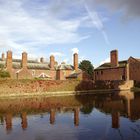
point(35, 87)
point(31, 86)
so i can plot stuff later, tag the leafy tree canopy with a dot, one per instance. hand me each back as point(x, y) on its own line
point(86, 66)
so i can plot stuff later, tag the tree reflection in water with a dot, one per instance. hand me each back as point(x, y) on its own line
point(116, 105)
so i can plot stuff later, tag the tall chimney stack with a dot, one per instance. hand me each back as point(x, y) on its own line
point(41, 60)
point(3, 56)
point(114, 58)
point(75, 61)
point(24, 60)
point(52, 62)
point(9, 61)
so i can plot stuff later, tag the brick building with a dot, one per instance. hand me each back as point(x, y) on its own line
point(28, 69)
point(118, 70)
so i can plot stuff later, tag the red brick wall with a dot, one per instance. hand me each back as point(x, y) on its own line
point(60, 75)
point(110, 74)
point(85, 76)
point(67, 72)
point(24, 74)
point(53, 74)
point(31, 73)
point(134, 69)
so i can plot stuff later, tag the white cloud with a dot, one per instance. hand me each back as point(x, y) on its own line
point(97, 22)
point(75, 50)
point(32, 25)
point(105, 61)
point(21, 30)
point(59, 54)
point(66, 61)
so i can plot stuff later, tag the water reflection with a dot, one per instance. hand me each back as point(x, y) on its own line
point(114, 105)
point(115, 119)
point(8, 121)
point(1, 120)
point(52, 116)
point(24, 122)
point(76, 116)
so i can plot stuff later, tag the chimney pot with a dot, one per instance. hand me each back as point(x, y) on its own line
point(3, 56)
point(42, 60)
point(9, 61)
point(114, 58)
point(75, 61)
point(24, 60)
point(52, 61)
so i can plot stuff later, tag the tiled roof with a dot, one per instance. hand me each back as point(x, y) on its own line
point(29, 61)
point(73, 75)
point(108, 65)
point(33, 64)
point(65, 67)
point(16, 65)
point(136, 59)
point(38, 66)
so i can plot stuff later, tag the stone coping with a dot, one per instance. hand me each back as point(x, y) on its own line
point(60, 93)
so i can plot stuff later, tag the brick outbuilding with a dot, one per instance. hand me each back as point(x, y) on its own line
point(118, 70)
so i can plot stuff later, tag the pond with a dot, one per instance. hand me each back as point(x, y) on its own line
point(99, 117)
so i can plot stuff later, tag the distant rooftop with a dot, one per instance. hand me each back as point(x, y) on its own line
point(108, 65)
point(34, 64)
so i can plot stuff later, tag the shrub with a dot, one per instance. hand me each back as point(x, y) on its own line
point(4, 74)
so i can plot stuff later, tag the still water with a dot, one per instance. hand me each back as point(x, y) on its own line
point(99, 117)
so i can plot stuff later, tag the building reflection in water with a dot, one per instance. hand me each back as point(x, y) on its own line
point(24, 123)
point(52, 116)
point(76, 116)
point(1, 120)
point(117, 105)
point(115, 119)
point(127, 97)
point(8, 121)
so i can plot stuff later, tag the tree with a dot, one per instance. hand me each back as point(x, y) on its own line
point(87, 66)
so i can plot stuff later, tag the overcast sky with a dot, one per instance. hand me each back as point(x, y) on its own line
point(61, 27)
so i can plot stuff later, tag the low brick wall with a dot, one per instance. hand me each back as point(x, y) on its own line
point(116, 85)
point(137, 84)
point(40, 86)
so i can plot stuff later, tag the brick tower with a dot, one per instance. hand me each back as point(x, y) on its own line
point(41, 60)
point(24, 60)
point(114, 58)
point(9, 61)
point(52, 62)
point(75, 61)
point(2, 57)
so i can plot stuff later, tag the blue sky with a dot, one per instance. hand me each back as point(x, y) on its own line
point(61, 27)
